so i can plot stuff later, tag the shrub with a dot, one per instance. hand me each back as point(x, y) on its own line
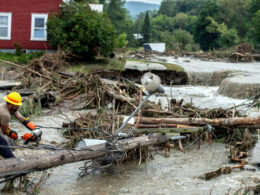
point(23, 58)
point(81, 31)
point(18, 49)
point(179, 40)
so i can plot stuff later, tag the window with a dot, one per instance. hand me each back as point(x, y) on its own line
point(5, 26)
point(38, 30)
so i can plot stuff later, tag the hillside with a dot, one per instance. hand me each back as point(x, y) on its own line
point(135, 7)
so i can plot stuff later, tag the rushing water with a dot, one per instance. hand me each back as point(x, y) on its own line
point(200, 96)
point(177, 174)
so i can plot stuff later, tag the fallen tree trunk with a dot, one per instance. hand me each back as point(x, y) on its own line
point(155, 125)
point(224, 122)
point(165, 112)
point(167, 130)
point(60, 157)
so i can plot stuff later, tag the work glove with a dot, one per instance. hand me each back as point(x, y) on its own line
point(28, 136)
point(13, 134)
point(29, 124)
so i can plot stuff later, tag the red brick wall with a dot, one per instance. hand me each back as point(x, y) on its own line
point(21, 21)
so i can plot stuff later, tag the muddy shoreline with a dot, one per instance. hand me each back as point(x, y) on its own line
point(168, 77)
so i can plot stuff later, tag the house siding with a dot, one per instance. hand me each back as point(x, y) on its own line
point(21, 21)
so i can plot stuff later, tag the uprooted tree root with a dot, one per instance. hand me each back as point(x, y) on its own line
point(49, 63)
point(82, 90)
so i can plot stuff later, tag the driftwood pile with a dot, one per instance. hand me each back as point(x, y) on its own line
point(78, 91)
point(240, 53)
point(113, 100)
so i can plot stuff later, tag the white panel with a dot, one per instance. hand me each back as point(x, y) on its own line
point(38, 27)
point(5, 25)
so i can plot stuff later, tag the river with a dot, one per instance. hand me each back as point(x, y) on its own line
point(177, 174)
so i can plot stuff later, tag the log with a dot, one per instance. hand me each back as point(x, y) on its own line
point(155, 126)
point(164, 112)
point(20, 66)
point(111, 93)
point(60, 157)
point(166, 130)
point(224, 122)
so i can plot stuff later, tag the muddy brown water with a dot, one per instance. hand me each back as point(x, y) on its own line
point(174, 175)
point(177, 174)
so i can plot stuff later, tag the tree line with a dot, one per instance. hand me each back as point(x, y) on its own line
point(182, 24)
point(191, 24)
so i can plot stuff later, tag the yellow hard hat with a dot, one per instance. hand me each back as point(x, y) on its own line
point(14, 98)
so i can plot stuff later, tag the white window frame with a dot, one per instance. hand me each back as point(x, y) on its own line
point(45, 16)
point(9, 27)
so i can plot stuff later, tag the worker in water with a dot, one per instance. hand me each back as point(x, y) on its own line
point(13, 102)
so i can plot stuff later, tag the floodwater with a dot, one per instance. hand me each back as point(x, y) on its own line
point(200, 96)
point(197, 65)
point(177, 174)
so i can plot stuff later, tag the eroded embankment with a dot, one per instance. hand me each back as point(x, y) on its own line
point(168, 77)
point(236, 80)
point(231, 83)
point(240, 87)
point(208, 78)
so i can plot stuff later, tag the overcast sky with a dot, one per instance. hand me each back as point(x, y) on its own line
point(148, 1)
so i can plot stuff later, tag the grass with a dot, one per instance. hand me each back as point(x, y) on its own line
point(19, 59)
point(173, 67)
point(104, 64)
point(98, 65)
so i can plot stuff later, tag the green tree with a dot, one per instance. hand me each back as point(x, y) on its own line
point(234, 13)
point(161, 23)
point(167, 8)
point(256, 29)
point(146, 28)
point(207, 39)
point(254, 6)
point(119, 16)
point(138, 23)
point(190, 7)
point(183, 38)
point(181, 20)
point(121, 41)
point(81, 31)
point(179, 40)
point(227, 37)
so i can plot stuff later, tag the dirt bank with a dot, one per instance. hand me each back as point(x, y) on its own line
point(168, 77)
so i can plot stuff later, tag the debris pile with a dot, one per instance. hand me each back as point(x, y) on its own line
point(113, 101)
